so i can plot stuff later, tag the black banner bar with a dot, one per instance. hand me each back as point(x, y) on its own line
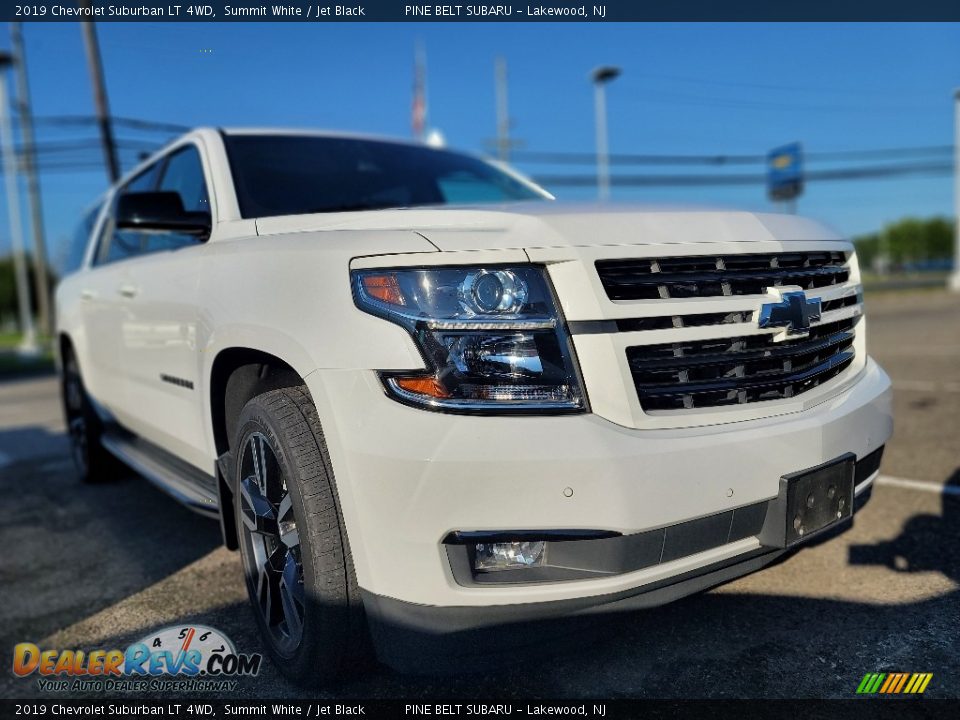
point(546, 11)
point(192, 709)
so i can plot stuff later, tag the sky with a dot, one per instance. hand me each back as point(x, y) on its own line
point(686, 88)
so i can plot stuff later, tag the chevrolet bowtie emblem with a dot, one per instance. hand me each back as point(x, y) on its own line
point(793, 313)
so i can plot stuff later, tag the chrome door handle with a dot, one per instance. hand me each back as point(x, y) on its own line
point(128, 291)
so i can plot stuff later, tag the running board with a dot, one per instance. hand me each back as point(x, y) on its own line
point(183, 482)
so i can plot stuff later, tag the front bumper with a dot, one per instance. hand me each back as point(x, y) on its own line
point(407, 478)
point(418, 638)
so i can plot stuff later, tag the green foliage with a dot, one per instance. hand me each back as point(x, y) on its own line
point(907, 242)
point(8, 289)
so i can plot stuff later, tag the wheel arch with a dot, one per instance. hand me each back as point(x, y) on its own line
point(237, 375)
point(63, 345)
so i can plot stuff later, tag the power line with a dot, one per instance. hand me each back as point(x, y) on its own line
point(935, 168)
point(582, 158)
point(132, 123)
point(138, 124)
point(88, 144)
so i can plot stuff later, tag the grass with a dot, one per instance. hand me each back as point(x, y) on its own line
point(9, 340)
point(13, 364)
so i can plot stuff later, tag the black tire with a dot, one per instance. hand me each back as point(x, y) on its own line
point(93, 462)
point(299, 576)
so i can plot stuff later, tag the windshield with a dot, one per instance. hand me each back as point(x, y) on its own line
point(300, 174)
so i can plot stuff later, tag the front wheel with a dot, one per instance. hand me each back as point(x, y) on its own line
point(296, 559)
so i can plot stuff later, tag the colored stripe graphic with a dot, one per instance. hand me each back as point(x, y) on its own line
point(891, 679)
point(903, 680)
point(894, 683)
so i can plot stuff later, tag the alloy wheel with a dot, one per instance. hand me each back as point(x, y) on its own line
point(273, 563)
point(76, 420)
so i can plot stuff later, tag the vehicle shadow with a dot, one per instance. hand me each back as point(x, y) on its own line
point(711, 645)
point(927, 542)
point(714, 645)
point(73, 549)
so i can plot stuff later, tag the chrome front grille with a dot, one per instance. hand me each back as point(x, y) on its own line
point(663, 322)
point(738, 370)
point(720, 275)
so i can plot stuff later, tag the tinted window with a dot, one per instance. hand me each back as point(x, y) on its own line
point(183, 174)
point(121, 244)
point(145, 181)
point(294, 174)
point(80, 239)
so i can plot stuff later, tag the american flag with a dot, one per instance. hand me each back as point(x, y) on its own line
point(418, 111)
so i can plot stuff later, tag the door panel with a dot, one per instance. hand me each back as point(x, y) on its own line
point(102, 318)
point(159, 334)
point(160, 354)
point(102, 304)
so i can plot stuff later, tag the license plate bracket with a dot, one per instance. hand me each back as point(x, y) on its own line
point(809, 502)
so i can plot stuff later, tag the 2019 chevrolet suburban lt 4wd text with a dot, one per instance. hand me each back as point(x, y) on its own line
point(426, 401)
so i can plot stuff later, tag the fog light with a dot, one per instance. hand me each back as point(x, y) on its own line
point(489, 557)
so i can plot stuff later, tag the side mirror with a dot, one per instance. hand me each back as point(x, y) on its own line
point(159, 211)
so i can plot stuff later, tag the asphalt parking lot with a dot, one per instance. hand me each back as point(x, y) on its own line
point(100, 566)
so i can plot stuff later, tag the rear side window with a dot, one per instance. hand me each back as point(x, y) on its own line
point(80, 239)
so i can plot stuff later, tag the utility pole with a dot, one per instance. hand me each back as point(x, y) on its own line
point(100, 95)
point(503, 112)
point(955, 277)
point(41, 279)
point(29, 344)
point(601, 76)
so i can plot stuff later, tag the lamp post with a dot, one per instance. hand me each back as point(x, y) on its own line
point(29, 344)
point(955, 277)
point(40, 273)
point(601, 76)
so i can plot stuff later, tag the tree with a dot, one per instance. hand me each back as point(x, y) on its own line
point(908, 242)
point(9, 310)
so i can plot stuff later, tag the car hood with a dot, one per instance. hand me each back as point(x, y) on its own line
point(550, 224)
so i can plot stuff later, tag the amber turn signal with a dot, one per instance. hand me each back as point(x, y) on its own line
point(423, 386)
point(384, 288)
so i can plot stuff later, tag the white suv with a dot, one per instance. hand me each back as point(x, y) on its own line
point(425, 400)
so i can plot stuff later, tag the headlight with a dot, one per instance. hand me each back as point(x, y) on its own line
point(491, 338)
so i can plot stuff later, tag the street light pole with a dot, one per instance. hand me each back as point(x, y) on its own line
point(28, 346)
point(503, 114)
point(601, 76)
point(40, 273)
point(955, 277)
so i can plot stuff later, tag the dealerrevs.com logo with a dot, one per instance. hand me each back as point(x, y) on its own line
point(191, 657)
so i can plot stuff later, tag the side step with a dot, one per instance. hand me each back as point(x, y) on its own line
point(182, 481)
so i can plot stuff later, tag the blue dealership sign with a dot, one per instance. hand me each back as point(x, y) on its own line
point(785, 172)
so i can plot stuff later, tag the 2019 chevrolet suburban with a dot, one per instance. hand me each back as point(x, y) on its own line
point(424, 399)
